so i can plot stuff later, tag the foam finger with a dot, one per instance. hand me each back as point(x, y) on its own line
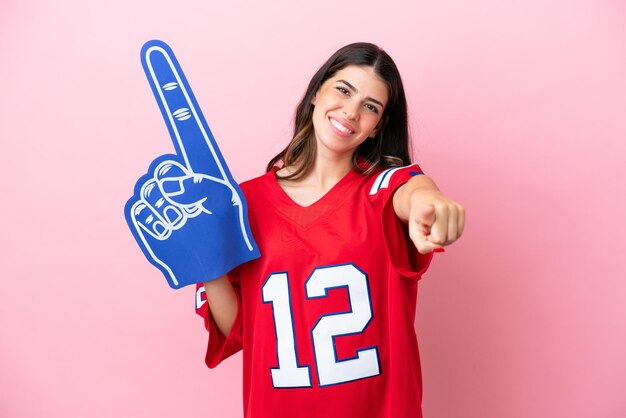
point(169, 176)
point(186, 124)
point(146, 220)
point(168, 213)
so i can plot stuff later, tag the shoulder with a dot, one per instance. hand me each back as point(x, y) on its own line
point(388, 180)
point(262, 179)
point(259, 185)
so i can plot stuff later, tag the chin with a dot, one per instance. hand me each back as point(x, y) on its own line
point(339, 145)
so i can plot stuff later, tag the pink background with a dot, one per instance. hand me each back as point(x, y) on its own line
point(517, 111)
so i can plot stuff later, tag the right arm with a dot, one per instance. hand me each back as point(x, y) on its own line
point(222, 300)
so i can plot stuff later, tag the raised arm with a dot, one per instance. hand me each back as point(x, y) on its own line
point(434, 220)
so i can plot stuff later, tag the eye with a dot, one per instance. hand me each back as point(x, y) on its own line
point(371, 108)
point(343, 91)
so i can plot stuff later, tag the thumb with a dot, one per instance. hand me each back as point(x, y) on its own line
point(420, 228)
point(170, 177)
point(199, 190)
point(425, 215)
point(195, 189)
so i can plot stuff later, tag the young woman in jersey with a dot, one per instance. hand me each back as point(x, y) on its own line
point(346, 226)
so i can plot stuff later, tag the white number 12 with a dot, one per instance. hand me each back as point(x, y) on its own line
point(330, 370)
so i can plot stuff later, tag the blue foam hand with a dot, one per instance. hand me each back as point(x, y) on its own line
point(187, 213)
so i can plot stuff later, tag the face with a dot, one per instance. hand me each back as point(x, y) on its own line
point(348, 108)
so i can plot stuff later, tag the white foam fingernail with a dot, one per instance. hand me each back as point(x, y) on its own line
point(173, 215)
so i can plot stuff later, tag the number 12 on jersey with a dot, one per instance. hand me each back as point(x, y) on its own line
point(330, 370)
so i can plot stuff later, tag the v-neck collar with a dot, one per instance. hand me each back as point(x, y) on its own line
point(307, 215)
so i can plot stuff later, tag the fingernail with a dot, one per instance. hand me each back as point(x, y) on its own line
point(439, 250)
point(159, 228)
point(172, 215)
point(172, 187)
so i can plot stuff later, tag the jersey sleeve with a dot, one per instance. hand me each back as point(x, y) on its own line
point(402, 252)
point(220, 347)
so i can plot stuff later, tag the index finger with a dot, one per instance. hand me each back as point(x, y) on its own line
point(190, 133)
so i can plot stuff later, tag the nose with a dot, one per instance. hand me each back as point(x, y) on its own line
point(351, 110)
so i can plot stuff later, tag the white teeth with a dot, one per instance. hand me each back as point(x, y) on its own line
point(340, 127)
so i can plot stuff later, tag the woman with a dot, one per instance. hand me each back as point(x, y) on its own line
point(325, 316)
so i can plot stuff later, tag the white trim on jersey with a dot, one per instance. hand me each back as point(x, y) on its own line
point(383, 179)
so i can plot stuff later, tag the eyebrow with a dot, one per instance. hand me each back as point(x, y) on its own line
point(356, 91)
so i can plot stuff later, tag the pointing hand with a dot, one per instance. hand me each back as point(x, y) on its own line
point(187, 214)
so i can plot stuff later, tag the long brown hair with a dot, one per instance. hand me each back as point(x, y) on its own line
point(390, 146)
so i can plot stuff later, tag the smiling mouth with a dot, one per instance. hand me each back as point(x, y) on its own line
point(340, 127)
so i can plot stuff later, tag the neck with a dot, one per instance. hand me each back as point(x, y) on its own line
point(329, 168)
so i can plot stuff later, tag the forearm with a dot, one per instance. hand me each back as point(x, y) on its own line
point(402, 197)
point(222, 301)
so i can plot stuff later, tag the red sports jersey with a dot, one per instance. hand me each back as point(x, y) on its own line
point(326, 314)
